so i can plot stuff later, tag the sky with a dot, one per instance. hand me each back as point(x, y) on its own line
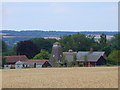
point(60, 16)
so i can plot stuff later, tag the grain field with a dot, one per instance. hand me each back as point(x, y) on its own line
point(77, 77)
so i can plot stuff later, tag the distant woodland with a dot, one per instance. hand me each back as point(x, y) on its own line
point(14, 36)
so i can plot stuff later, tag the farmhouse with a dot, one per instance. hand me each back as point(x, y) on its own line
point(91, 58)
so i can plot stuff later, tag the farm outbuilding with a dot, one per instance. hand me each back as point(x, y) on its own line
point(19, 65)
point(7, 66)
point(14, 59)
point(33, 63)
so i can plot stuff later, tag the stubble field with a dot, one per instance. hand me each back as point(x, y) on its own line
point(77, 77)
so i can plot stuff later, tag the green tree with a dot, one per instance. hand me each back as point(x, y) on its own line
point(103, 40)
point(3, 61)
point(107, 50)
point(27, 48)
point(42, 43)
point(76, 42)
point(5, 50)
point(114, 57)
point(96, 46)
point(86, 58)
point(64, 61)
point(74, 62)
point(66, 42)
point(115, 42)
point(3, 47)
point(42, 55)
point(74, 57)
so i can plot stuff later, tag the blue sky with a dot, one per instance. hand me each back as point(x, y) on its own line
point(68, 16)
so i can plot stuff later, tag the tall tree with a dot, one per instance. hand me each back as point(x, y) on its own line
point(114, 57)
point(27, 48)
point(115, 42)
point(3, 47)
point(103, 40)
point(64, 61)
point(76, 42)
point(42, 43)
point(66, 42)
point(3, 61)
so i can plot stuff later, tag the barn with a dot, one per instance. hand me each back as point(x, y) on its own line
point(13, 59)
point(88, 58)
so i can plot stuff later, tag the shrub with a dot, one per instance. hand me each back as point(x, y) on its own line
point(108, 64)
point(12, 68)
point(80, 65)
point(72, 64)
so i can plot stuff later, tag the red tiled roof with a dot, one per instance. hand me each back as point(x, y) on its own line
point(13, 59)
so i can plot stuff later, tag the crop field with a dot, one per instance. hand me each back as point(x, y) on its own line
point(76, 77)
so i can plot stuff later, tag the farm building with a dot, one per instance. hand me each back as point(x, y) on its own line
point(87, 58)
point(56, 54)
point(69, 56)
point(14, 59)
point(91, 58)
point(32, 63)
point(22, 61)
point(18, 65)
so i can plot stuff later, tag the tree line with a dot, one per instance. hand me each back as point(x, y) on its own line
point(40, 48)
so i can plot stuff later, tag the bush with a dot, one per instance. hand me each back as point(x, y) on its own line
point(108, 64)
point(72, 64)
point(80, 65)
point(114, 57)
point(12, 68)
point(42, 55)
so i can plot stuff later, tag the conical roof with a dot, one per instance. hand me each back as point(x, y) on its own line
point(56, 43)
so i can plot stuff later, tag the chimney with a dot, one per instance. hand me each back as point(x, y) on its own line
point(91, 50)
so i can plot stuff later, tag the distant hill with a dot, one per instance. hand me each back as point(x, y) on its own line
point(11, 36)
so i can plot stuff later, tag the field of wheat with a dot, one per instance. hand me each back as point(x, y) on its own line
point(77, 77)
